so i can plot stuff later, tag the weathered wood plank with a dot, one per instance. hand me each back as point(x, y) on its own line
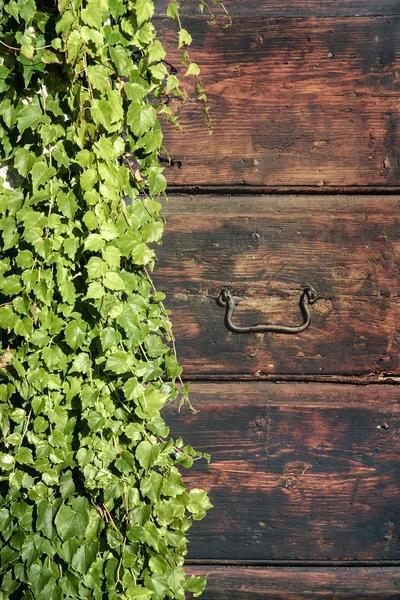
point(227, 583)
point(296, 103)
point(291, 8)
point(298, 471)
point(265, 249)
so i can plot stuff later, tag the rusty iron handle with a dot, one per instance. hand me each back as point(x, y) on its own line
point(307, 298)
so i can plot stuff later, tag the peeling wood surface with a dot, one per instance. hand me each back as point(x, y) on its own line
point(296, 102)
point(265, 249)
point(291, 8)
point(299, 471)
point(225, 583)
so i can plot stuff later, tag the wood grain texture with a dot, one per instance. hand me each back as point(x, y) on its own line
point(291, 8)
point(299, 471)
point(227, 583)
point(265, 249)
point(296, 103)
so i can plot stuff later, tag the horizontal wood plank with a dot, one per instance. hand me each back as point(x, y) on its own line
point(290, 8)
point(299, 472)
point(296, 103)
point(265, 249)
point(227, 583)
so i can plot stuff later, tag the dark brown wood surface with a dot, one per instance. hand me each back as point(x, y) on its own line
point(304, 96)
point(299, 472)
point(297, 103)
point(265, 249)
point(291, 8)
point(300, 584)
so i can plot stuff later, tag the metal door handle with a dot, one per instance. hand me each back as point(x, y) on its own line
point(307, 298)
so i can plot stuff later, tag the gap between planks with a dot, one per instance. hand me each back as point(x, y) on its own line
point(323, 564)
point(235, 190)
point(337, 379)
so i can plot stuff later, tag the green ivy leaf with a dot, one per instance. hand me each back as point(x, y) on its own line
point(74, 45)
point(125, 463)
point(54, 358)
point(48, 57)
point(8, 318)
point(67, 204)
point(140, 118)
point(185, 39)
point(6, 461)
point(44, 522)
point(193, 69)
point(95, 290)
point(88, 179)
point(39, 577)
point(196, 585)
point(119, 362)
point(96, 268)
point(138, 592)
point(147, 454)
point(84, 557)
point(113, 281)
point(151, 402)
point(102, 113)
point(121, 59)
point(197, 502)
point(109, 338)
point(75, 334)
point(71, 523)
point(141, 254)
point(84, 158)
point(173, 10)
point(30, 116)
point(99, 77)
point(41, 174)
point(94, 242)
point(91, 220)
point(176, 578)
point(151, 486)
point(157, 182)
point(144, 10)
point(82, 363)
point(93, 14)
point(112, 256)
point(23, 161)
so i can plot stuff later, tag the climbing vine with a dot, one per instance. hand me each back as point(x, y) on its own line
point(92, 504)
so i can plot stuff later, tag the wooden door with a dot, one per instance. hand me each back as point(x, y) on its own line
point(297, 187)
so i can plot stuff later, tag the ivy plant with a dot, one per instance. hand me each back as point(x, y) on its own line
point(92, 504)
